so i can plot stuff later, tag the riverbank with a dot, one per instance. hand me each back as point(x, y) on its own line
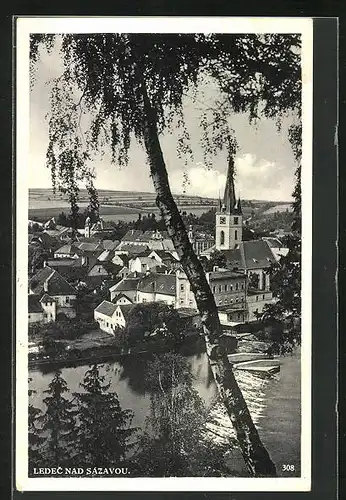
point(98, 347)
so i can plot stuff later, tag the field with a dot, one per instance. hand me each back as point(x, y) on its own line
point(123, 205)
point(278, 208)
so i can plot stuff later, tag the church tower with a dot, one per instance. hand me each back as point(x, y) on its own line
point(229, 217)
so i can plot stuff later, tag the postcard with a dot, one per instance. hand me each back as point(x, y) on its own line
point(163, 253)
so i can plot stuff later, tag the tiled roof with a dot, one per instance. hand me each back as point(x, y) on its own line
point(159, 283)
point(34, 305)
point(273, 242)
point(57, 285)
point(64, 262)
point(68, 249)
point(89, 246)
point(133, 249)
point(126, 284)
point(119, 296)
point(132, 235)
point(216, 275)
point(253, 254)
point(106, 308)
point(256, 254)
point(109, 244)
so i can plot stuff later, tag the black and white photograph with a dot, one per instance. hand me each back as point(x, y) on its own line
point(163, 232)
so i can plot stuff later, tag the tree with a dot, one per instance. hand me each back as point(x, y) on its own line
point(35, 437)
point(103, 434)
point(58, 423)
point(134, 86)
point(254, 281)
point(147, 318)
point(174, 442)
point(218, 259)
point(36, 257)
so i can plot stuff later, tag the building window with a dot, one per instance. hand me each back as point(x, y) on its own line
point(226, 287)
point(181, 301)
point(182, 287)
point(231, 287)
point(222, 237)
point(237, 286)
point(214, 289)
point(236, 234)
point(236, 222)
point(257, 297)
point(220, 288)
point(67, 300)
point(263, 297)
point(242, 286)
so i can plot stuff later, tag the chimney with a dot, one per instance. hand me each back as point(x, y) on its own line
point(215, 268)
point(135, 274)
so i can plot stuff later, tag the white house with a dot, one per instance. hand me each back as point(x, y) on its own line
point(141, 264)
point(157, 288)
point(128, 286)
point(111, 316)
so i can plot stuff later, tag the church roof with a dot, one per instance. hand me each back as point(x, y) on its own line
point(253, 254)
point(230, 204)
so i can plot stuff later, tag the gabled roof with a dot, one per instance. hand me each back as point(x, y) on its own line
point(121, 295)
point(253, 254)
point(34, 305)
point(273, 242)
point(46, 298)
point(70, 249)
point(133, 249)
point(89, 246)
point(159, 283)
point(109, 244)
point(106, 308)
point(132, 235)
point(256, 254)
point(126, 284)
point(57, 285)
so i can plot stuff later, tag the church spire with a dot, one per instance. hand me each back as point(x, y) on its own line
point(229, 199)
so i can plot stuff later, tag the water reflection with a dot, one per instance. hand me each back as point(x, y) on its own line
point(274, 403)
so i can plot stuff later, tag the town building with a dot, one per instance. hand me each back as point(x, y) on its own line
point(56, 296)
point(201, 242)
point(157, 288)
point(111, 316)
point(229, 217)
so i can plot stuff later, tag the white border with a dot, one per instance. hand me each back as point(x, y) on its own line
point(27, 25)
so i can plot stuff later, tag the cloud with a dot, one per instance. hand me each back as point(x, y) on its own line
point(201, 181)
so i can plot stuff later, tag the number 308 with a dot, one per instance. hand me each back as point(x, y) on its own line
point(288, 467)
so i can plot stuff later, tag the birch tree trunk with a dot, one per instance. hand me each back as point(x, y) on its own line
point(255, 455)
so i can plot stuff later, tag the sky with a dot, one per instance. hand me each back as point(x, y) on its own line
point(264, 162)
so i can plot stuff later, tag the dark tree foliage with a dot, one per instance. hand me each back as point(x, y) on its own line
point(35, 437)
point(254, 281)
point(218, 259)
point(58, 422)
point(174, 442)
point(146, 319)
point(104, 432)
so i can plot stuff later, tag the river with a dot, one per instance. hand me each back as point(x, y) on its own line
point(274, 402)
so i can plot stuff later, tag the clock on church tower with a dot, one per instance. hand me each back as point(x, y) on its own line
point(222, 220)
